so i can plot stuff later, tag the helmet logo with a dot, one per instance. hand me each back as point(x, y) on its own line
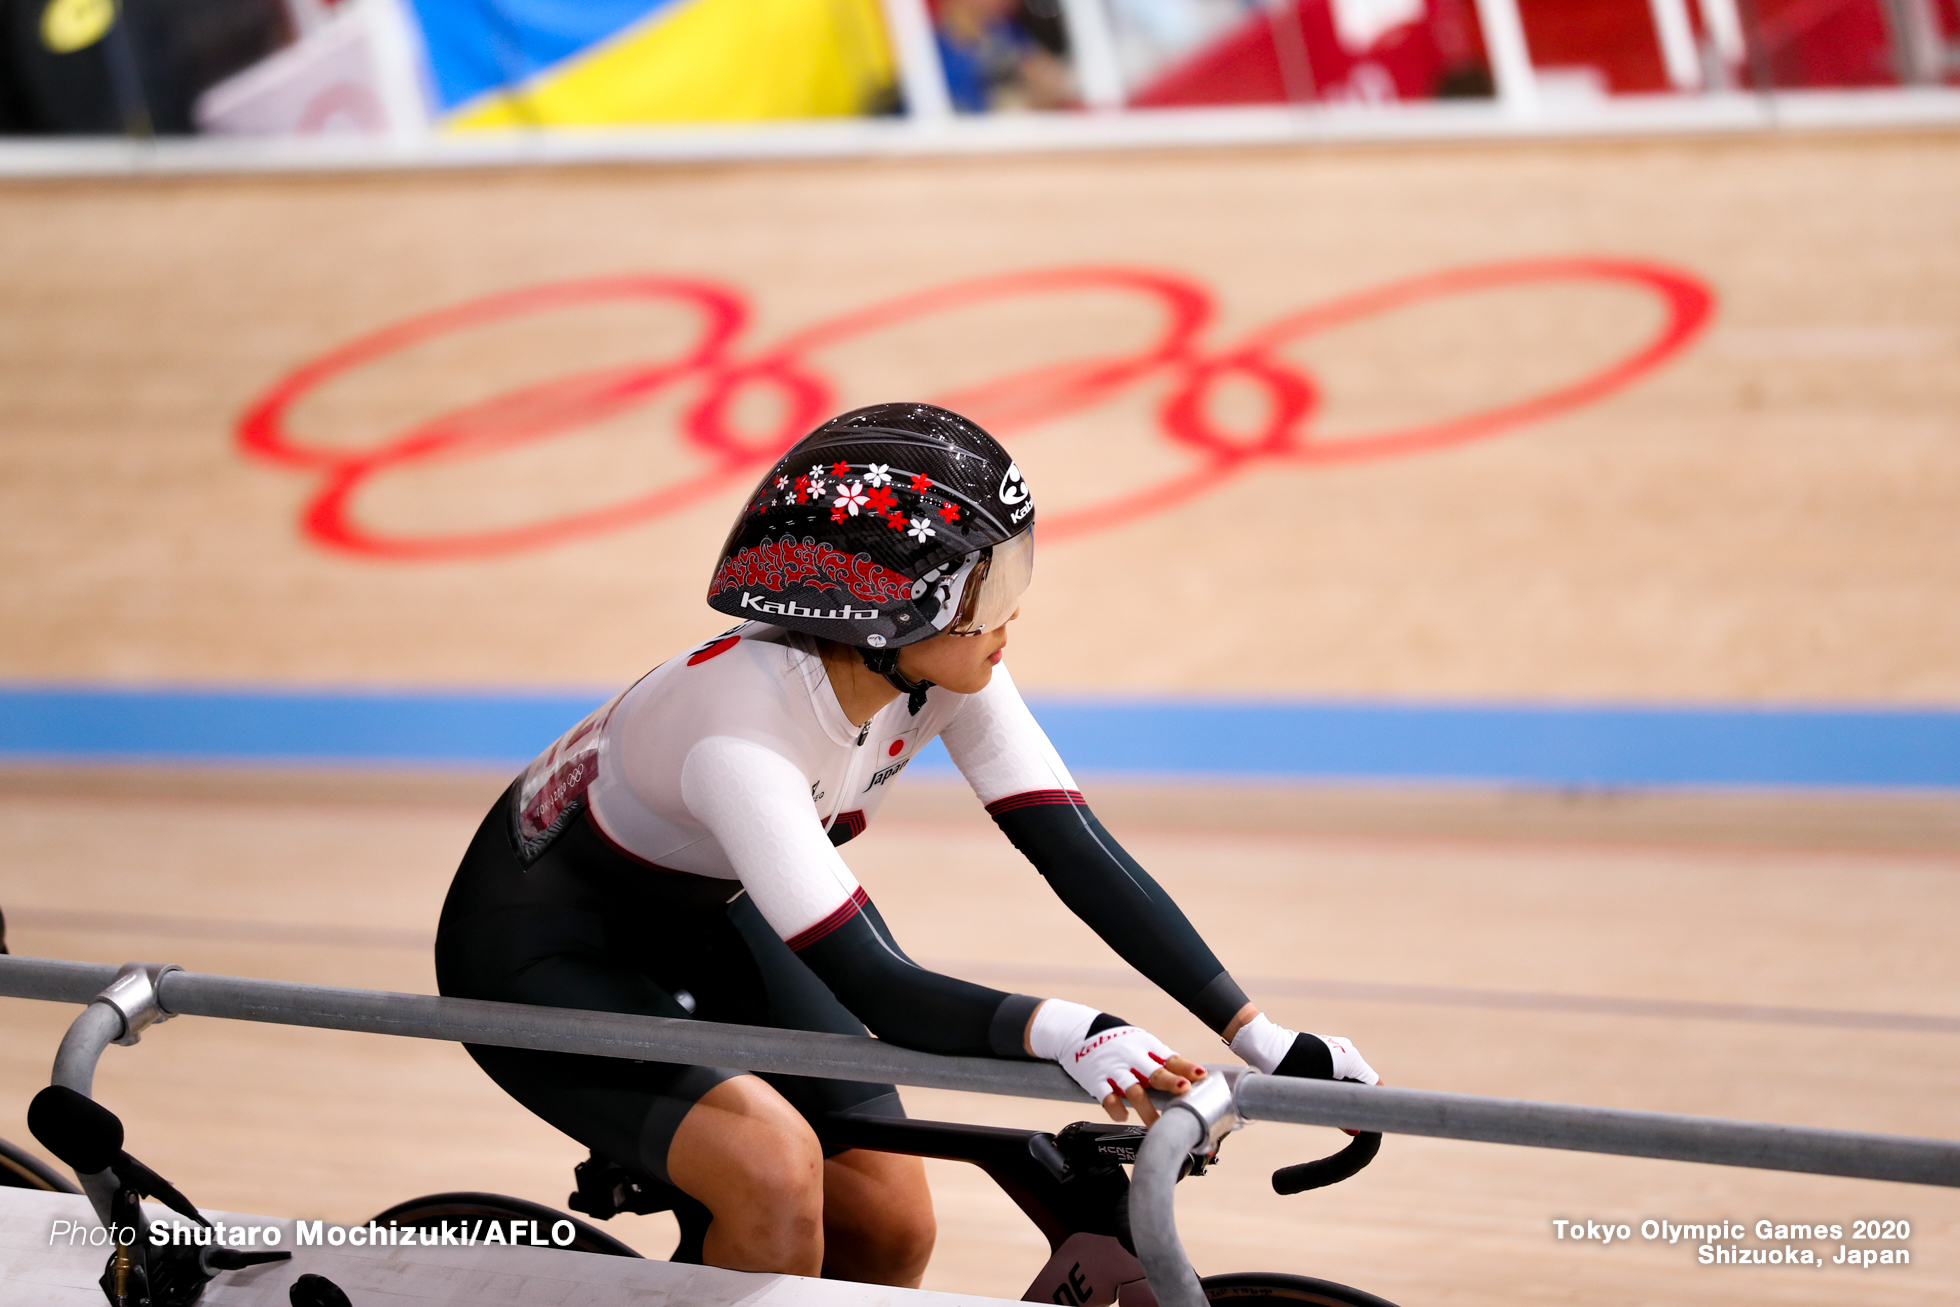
point(757, 603)
point(1013, 489)
point(875, 640)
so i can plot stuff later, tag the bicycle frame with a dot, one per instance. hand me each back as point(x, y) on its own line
point(1070, 1184)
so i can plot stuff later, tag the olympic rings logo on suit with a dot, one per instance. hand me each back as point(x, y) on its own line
point(714, 361)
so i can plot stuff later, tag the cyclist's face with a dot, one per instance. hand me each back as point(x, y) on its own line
point(962, 663)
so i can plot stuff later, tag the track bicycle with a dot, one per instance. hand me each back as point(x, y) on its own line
point(1070, 1183)
point(20, 1169)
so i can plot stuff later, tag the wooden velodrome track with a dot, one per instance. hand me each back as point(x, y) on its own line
point(1551, 476)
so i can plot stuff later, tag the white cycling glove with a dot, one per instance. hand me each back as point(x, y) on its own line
point(1107, 1062)
point(1268, 1045)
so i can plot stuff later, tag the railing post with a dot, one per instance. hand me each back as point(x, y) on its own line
point(1092, 49)
point(1918, 45)
point(1510, 57)
point(118, 1015)
point(1723, 22)
point(921, 75)
point(1676, 34)
point(95, 1029)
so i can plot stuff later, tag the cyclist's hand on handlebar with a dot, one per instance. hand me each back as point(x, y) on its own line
point(1278, 1051)
point(1119, 1063)
point(1348, 1064)
point(1274, 1049)
point(1113, 1061)
point(1172, 1076)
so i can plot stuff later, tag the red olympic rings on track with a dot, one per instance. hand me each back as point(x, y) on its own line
point(545, 410)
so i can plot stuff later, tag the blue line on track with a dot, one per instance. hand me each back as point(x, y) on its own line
point(1535, 744)
point(265, 726)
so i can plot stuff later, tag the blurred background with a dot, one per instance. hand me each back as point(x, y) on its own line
point(408, 67)
point(1498, 466)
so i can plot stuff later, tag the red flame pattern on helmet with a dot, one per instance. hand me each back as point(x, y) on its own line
point(776, 565)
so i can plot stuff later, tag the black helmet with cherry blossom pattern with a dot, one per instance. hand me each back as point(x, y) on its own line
point(883, 527)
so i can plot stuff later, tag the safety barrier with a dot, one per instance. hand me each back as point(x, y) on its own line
point(122, 1002)
point(1643, 117)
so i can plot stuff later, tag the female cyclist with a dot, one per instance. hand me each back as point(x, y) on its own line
point(675, 854)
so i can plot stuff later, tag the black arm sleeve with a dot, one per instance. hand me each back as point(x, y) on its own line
point(1118, 900)
point(899, 1000)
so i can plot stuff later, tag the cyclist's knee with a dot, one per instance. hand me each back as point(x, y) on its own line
point(754, 1163)
point(782, 1174)
point(878, 1221)
point(768, 1206)
point(896, 1244)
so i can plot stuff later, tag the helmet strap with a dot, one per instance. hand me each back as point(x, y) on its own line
point(885, 663)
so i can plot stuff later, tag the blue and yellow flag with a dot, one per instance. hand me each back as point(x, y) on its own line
point(552, 63)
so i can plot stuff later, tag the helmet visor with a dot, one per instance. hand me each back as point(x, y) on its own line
point(993, 585)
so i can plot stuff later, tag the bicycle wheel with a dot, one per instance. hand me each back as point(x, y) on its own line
point(20, 1169)
point(1244, 1287)
point(431, 1210)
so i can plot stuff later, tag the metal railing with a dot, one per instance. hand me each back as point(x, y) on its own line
point(122, 1002)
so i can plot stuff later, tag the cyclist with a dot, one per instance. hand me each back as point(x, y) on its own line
point(676, 854)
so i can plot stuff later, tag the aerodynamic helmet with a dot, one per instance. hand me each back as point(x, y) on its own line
point(883, 527)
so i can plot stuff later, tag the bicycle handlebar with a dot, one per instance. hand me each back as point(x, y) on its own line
point(1331, 1169)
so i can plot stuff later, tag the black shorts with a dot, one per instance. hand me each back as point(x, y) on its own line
point(588, 926)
